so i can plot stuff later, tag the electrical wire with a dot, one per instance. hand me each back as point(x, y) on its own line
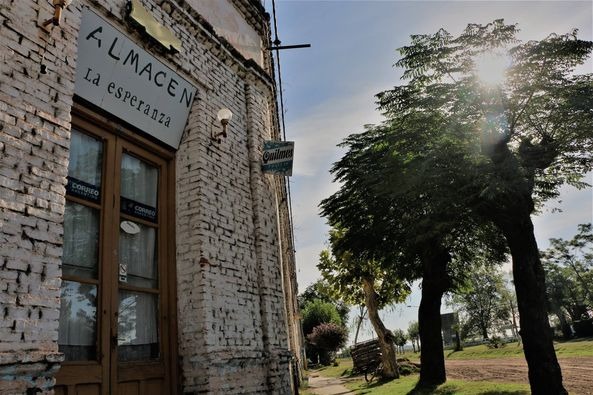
point(282, 121)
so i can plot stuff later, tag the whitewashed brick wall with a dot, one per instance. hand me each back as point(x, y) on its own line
point(233, 335)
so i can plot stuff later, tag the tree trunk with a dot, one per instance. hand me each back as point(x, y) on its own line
point(484, 333)
point(515, 329)
point(458, 346)
point(545, 376)
point(361, 315)
point(511, 213)
point(414, 346)
point(564, 326)
point(435, 282)
point(584, 283)
point(390, 369)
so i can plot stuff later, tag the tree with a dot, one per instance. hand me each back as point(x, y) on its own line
point(321, 290)
point(319, 312)
point(413, 335)
point(568, 266)
point(482, 301)
point(365, 281)
point(509, 299)
point(362, 312)
point(457, 328)
point(329, 338)
point(419, 234)
point(513, 145)
point(400, 339)
point(565, 300)
point(577, 255)
point(316, 313)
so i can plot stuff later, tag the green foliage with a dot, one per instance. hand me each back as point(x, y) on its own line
point(458, 162)
point(315, 313)
point(345, 273)
point(413, 329)
point(322, 290)
point(483, 302)
point(414, 335)
point(406, 369)
point(495, 342)
point(569, 274)
point(399, 337)
point(489, 145)
point(364, 281)
point(318, 312)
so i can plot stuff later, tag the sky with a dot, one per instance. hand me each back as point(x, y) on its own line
point(329, 90)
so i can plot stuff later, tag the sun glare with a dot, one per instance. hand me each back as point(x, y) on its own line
point(491, 67)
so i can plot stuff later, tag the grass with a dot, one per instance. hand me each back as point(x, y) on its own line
point(303, 390)
point(406, 385)
point(575, 348)
point(344, 369)
point(510, 350)
point(572, 348)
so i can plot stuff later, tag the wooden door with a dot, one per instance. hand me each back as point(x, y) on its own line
point(115, 321)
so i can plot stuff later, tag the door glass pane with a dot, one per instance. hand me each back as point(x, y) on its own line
point(139, 182)
point(138, 254)
point(81, 241)
point(78, 321)
point(84, 168)
point(137, 326)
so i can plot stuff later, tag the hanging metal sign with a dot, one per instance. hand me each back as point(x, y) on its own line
point(123, 79)
point(277, 157)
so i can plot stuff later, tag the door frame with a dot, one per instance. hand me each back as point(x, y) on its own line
point(106, 128)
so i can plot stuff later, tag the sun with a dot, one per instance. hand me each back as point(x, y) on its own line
point(491, 67)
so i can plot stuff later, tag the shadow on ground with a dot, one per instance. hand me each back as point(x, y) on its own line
point(451, 390)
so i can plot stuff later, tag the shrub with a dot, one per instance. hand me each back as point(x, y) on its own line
point(315, 313)
point(319, 312)
point(495, 342)
point(583, 328)
point(328, 338)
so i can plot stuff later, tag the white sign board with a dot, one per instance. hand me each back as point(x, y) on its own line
point(120, 77)
point(229, 23)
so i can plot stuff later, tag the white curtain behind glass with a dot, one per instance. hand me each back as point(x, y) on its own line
point(81, 238)
point(85, 158)
point(137, 318)
point(77, 314)
point(138, 252)
point(139, 181)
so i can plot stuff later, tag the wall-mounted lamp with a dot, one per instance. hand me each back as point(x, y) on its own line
point(224, 115)
point(59, 5)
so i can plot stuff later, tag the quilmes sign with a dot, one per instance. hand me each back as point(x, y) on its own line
point(277, 157)
point(123, 79)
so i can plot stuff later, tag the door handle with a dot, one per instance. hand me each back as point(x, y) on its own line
point(114, 334)
point(113, 340)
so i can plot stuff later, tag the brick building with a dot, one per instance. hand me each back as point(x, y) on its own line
point(142, 248)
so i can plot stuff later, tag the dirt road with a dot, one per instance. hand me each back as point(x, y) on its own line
point(577, 373)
